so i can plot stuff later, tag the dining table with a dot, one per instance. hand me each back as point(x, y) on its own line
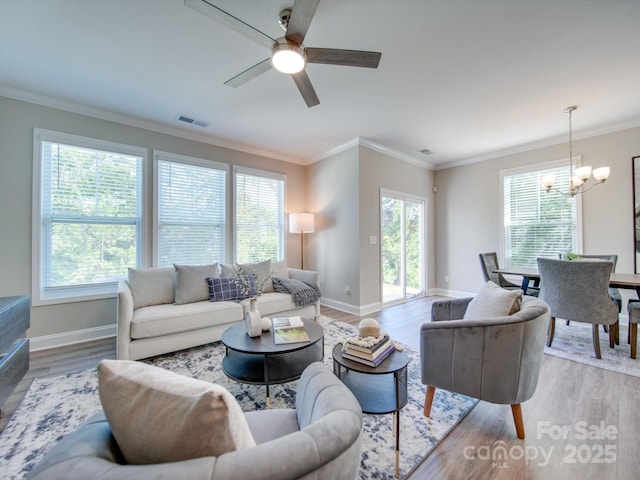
point(629, 281)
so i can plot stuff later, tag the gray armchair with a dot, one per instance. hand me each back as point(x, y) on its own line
point(494, 359)
point(321, 438)
point(579, 291)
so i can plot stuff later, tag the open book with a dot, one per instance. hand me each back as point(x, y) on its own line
point(289, 330)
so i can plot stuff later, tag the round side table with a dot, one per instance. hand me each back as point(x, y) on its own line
point(380, 390)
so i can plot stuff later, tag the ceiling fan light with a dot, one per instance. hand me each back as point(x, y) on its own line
point(288, 58)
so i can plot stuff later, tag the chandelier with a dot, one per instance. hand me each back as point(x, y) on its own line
point(577, 179)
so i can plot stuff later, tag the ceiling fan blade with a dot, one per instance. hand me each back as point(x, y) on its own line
point(210, 10)
point(250, 73)
point(350, 58)
point(303, 83)
point(301, 15)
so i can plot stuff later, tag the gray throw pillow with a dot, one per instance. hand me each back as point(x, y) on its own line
point(493, 301)
point(261, 270)
point(152, 286)
point(191, 282)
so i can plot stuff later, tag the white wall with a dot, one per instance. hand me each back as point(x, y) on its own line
point(17, 121)
point(344, 192)
point(467, 207)
point(333, 248)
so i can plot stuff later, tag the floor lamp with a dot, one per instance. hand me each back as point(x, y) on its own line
point(301, 223)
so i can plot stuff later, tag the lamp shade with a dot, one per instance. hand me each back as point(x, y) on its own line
point(301, 223)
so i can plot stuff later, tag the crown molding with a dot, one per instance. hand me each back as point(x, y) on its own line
point(104, 114)
point(547, 142)
point(365, 142)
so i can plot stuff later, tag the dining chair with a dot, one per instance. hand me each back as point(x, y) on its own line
point(579, 291)
point(489, 263)
point(614, 293)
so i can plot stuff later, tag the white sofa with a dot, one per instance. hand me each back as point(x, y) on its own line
point(155, 316)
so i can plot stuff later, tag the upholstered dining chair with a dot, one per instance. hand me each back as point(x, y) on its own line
point(496, 359)
point(579, 291)
point(614, 293)
point(489, 263)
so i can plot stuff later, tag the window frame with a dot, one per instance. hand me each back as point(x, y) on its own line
point(159, 155)
point(534, 168)
point(239, 169)
point(88, 291)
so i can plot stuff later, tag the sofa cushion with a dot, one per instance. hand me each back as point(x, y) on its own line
point(261, 270)
point(191, 282)
point(152, 286)
point(158, 416)
point(493, 301)
point(232, 288)
point(158, 320)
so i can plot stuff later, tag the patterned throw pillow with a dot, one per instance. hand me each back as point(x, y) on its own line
point(232, 288)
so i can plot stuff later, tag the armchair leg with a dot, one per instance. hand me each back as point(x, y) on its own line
point(516, 410)
point(596, 340)
point(428, 400)
point(551, 331)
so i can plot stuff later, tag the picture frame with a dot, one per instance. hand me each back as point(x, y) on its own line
point(635, 164)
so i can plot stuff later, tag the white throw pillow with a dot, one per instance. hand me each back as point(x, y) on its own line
point(152, 286)
point(158, 416)
point(493, 301)
point(191, 282)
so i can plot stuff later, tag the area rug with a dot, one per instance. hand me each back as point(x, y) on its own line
point(574, 342)
point(56, 406)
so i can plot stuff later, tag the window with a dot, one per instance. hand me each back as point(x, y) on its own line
point(190, 211)
point(537, 223)
point(259, 215)
point(87, 215)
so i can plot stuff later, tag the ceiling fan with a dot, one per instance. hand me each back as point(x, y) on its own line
point(288, 54)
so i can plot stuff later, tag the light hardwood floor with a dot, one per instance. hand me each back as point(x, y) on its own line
point(569, 395)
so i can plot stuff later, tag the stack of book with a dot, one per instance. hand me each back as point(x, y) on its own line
point(370, 355)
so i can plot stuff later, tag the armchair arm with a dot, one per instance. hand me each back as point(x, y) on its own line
point(125, 317)
point(452, 309)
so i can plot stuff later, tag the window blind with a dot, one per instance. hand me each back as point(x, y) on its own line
point(191, 213)
point(537, 223)
point(90, 212)
point(259, 217)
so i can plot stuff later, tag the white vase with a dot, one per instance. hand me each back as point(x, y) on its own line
point(253, 320)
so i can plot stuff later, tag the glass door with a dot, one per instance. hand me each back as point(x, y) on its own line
point(403, 249)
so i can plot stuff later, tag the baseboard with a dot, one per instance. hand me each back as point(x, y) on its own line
point(69, 338)
point(451, 293)
point(358, 310)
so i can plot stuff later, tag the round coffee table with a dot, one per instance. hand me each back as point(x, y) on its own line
point(379, 390)
point(259, 361)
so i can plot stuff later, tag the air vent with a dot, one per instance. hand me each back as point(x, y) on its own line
point(193, 121)
point(426, 151)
